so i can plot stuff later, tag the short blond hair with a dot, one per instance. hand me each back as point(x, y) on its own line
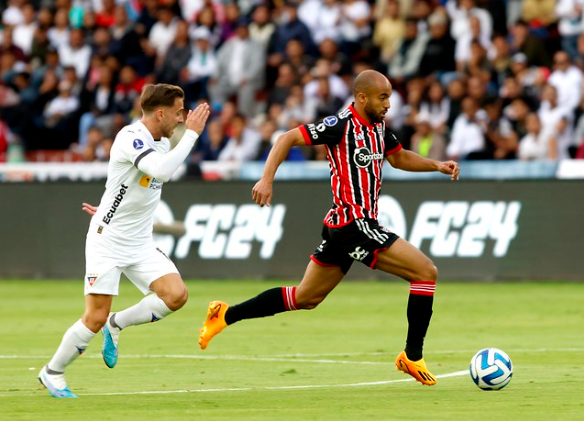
point(160, 95)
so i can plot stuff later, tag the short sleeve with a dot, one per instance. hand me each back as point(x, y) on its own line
point(392, 145)
point(329, 131)
point(132, 148)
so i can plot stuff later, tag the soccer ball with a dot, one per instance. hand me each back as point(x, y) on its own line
point(491, 369)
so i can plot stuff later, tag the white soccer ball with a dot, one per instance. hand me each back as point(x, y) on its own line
point(491, 369)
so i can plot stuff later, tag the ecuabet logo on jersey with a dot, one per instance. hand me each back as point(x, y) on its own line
point(138, 144)
point(363, 157)
point(330, 120)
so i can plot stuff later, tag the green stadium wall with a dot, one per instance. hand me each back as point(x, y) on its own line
point(473, 230)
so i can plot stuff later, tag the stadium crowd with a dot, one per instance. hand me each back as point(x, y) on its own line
point(473, 79)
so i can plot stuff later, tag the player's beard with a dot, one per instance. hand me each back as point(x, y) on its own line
point(373, 115)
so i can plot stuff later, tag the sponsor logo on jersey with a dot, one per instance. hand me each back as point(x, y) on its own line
point(363, 157)
point(150, 182)
point(100, 229)
point(117, 200)
point(456, 228)
point(138, 144)
point(330, 121)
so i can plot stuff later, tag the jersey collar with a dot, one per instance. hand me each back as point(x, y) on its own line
point(359, 117)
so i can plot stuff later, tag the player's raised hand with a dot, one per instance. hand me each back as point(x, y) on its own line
point(450, 167)
point(197, 118)
point(262, 193)
point(89, 209)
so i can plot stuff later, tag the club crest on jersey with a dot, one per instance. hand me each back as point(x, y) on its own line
point(363, 157)
point(91, 280)
point(138, 144)
point(330, 121)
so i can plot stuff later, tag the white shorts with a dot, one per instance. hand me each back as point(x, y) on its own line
point(105, 262)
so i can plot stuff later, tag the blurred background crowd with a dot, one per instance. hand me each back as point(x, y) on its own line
point(473, 79)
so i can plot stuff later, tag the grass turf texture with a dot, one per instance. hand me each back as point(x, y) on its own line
point(352, 338)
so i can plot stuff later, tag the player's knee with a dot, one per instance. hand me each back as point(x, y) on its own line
point(95, 320)
point(177, 298)
point(429, 272)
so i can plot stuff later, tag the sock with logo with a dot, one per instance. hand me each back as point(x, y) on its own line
point(73, 344)
point(419, 314)
point(268, 303)
point(150, 309)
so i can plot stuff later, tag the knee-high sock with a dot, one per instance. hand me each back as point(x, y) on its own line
point(150, 309)
point(73, 344)
point(419, 315)
point(268, 303)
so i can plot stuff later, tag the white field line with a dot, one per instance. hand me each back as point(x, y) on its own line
point(250, 389)
point(299, 357)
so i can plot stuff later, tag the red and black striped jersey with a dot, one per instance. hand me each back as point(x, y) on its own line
point(356, 153)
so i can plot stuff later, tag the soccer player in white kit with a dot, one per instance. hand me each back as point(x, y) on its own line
point(119, 239)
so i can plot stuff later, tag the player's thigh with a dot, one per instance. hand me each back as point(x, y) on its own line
point(152, 266)
point(317, 283)
point(406, 261)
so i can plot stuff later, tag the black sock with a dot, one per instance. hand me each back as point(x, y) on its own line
point(419, 315)
point(267, 303)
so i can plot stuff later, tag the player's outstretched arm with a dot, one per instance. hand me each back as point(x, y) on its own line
point(163, 166)
point(410, 161)
point(262, 191)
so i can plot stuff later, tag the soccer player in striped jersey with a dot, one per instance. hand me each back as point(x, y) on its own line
point(119, 239)
point(357, 144)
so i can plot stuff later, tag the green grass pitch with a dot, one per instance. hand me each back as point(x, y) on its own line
point(332, 363)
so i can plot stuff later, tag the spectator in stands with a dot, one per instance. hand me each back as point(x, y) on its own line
point(389, 31)
point(296, 57)
point(461, 12)
point(105, 16)
point(98, 146)
point(177, 56)
point(127, 46)
point(289, 27)
point(211, 145)
point(438, 56)
point(99, 102)
point(76, 53)
point(243, 142)
point(287, 78)
point(57, 116)
point(537, 144)
point(436, 108)
point(456, 92)
point(240, 70)
point(557, 120)
point(355, 28)
point(13, 15)
point(200, 67)
point(325, 103)
point(465, 41)
point(337, 85)
point(426, 141)
point(571, 24)
point(539, 13)
point(163, 32)
point(468, 132)
point(567, 79)
point(261, 28)
point(524, 42)
point(501, 140)
point(40, 47)
point(59, 33)
point(23, 33)
point(406, 61)
point(127, 90)
point(340, 62)
point(8, 47)
point(517, 113)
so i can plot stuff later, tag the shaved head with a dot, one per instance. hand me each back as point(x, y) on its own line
point(372, 91)
point(369, 82)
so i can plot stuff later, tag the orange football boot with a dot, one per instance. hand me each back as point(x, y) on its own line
point(214, 323)
point(416, 369)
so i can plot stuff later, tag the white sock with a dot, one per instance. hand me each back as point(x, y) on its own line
point(74, 342)
point(150, 309)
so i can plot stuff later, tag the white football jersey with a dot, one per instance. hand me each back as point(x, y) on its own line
point(126, 211)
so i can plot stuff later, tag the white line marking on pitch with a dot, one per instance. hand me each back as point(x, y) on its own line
point(249, 389)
